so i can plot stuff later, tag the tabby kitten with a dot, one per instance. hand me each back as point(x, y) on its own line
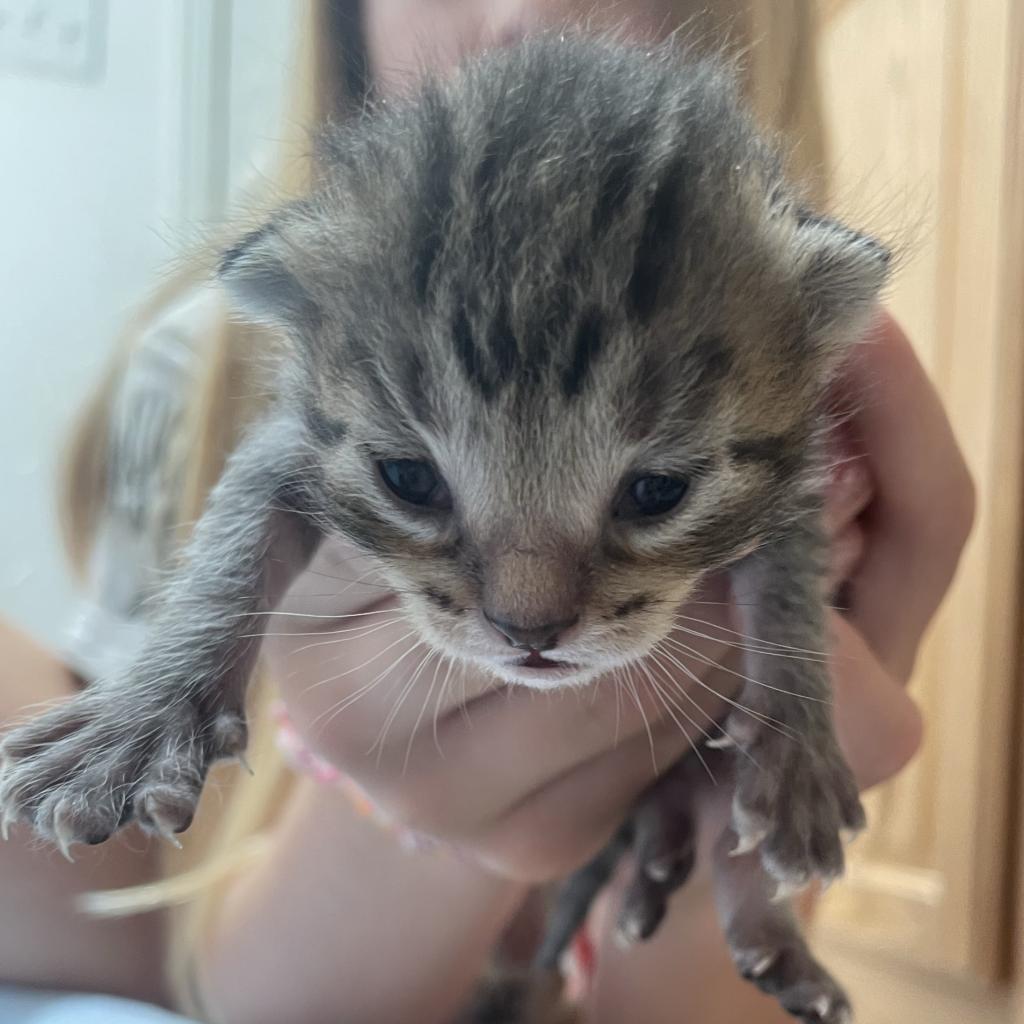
point(559, 336)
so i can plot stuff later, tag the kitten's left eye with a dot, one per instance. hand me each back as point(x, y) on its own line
point(415, 482)
point(652, 496)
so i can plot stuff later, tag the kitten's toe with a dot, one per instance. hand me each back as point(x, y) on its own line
point(228, 736)
point(665, 854)
point(166, 797)
point(795, 804)
point(81, 772)
point(801, 985)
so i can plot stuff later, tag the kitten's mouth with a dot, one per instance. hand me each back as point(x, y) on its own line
point(535, 670)
point(537, 660)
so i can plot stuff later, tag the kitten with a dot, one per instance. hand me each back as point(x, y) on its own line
point(560, 332)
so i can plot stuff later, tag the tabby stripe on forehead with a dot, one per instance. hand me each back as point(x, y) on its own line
point(469, 355)
point(781, 451)
point(502, 343)
point(436, 196)
point(586, 348)
point(324, 428)
point(618, 179)
point(659, 238)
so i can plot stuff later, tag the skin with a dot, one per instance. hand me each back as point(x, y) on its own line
point(528, 787)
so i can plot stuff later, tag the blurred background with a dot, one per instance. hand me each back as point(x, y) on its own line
point(129, 125)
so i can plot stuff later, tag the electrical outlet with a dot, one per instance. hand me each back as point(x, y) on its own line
point(53, 38)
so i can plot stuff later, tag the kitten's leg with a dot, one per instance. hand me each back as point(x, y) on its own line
point(661, 835)
point(664, 847)
point(795, 795)
point(765, 941)
point(138, 747)
point(576, 895)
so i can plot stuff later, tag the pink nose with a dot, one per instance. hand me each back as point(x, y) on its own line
point(531, 638)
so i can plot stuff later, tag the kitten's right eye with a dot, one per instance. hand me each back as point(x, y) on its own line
point(652, 496)
point(415, 482)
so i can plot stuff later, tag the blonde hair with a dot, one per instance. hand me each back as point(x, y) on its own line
point(330, 78)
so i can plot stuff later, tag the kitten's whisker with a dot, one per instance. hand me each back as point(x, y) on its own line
point(314, 615)
point(423, 711)
point(356, 668)
point(682, 691)
point(711, 663)
point(752, 639)
point(772, 723)
point(337, 709)
point(378, 743)
point(748, 648)
point(634, 693)
point(366, 626)
point(365, 632)
point(440, 700)
point(647, 671)
point(694, 747)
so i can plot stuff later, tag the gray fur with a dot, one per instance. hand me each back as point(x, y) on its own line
point(575, 263)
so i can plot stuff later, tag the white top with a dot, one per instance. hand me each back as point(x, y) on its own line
point(132, 539)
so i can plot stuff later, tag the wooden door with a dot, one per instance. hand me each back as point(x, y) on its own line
point(924, 107)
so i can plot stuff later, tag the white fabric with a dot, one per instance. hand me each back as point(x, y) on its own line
point(28, 1006)
point(136, 529)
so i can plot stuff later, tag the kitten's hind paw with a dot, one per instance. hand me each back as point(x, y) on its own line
point(664, 850)
point(85, 769)
point(796, 806)
point(800, 984)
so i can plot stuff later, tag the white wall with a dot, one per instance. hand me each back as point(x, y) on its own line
point(102, 179)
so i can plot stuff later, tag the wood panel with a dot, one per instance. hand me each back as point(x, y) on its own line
point(922, 102)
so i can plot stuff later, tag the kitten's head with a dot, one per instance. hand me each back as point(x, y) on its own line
point(562, 333)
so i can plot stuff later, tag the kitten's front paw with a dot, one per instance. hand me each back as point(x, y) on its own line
point(81, 771)
point(798, 803)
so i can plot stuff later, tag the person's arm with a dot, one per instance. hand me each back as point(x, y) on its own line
point(337, 916)
point(338, 921)
point(45, 939)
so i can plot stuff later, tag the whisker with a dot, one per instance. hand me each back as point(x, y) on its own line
point(356, 668)
point(753, 639)
point(313, 615)
point(440, 700)
point(711, 663)
point(772, 723)
point(423, 711)
point(631, 688)
point(363, 690)
point(326, 632)
point(749, 648)
point(695, 748)
point(682, 692)
point(365, 631)
point(378, 743)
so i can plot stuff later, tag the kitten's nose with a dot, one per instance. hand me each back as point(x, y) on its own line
point(531, 638)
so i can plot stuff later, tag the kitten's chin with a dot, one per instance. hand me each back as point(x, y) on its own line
point(541, 674)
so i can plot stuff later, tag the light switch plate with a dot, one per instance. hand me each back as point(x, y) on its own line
point(62, 39)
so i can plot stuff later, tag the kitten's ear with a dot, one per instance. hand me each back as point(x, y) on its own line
point(842, 274)
point(261, 284)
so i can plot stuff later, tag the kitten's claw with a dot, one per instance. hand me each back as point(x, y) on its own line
point(748, 843)
point(723, 742)
point(785, 891)
point(753, 963)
